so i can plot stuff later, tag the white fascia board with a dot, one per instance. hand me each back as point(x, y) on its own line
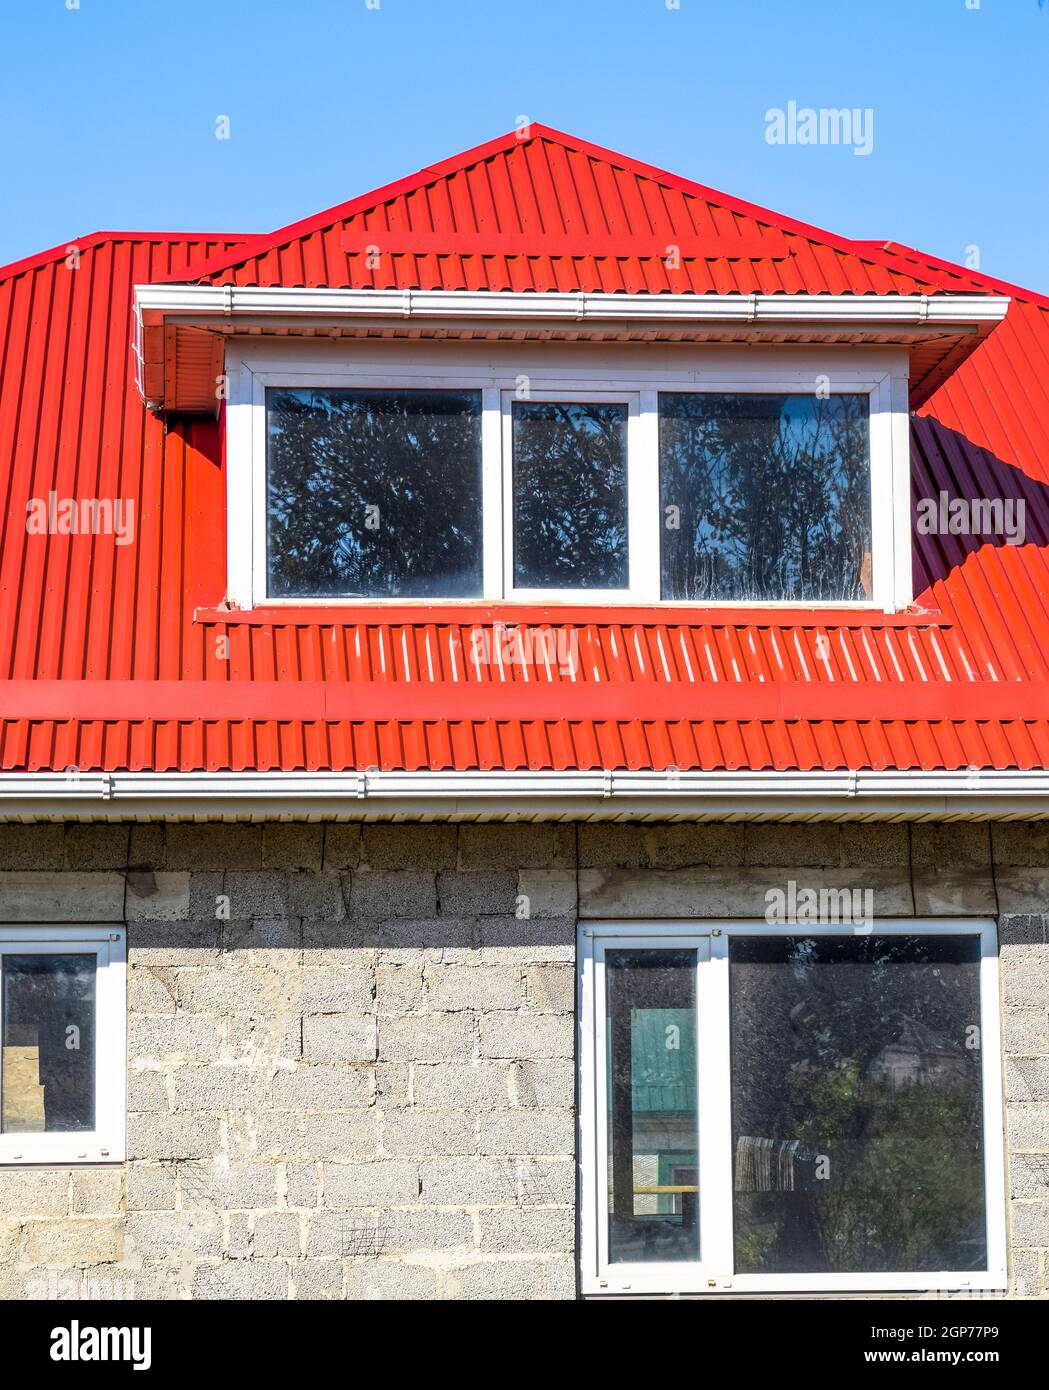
point(530, 795)
point(231, 301)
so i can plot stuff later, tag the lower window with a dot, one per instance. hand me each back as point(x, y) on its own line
point(807, 1109)
point(62, 1044)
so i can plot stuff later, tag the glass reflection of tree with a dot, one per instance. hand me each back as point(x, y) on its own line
point(774, 496)
point(859, 1052)
point(374, 493)
point(570, 508)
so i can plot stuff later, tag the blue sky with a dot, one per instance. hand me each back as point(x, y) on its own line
point(108, 108)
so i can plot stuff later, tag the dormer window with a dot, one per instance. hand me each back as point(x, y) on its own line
point(471, 472)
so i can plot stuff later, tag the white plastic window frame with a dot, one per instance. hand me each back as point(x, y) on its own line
point(553, 374)
point(714, 1271)
point(106, 1143)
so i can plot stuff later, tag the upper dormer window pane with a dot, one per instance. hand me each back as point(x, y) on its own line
point(765, 497)
point(373, 494)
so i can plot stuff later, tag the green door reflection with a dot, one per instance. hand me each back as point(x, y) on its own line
point(653, 1168)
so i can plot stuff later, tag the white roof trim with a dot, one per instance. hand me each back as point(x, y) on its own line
point(225, 301)
point(600, 795)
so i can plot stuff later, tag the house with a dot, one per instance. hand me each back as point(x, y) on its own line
point(435, 635)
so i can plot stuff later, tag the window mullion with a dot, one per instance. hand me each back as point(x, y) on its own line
point(713, 1076)
point(492, 517)
point(643, 473)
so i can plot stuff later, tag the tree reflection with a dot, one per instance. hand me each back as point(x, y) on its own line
point(769, 497)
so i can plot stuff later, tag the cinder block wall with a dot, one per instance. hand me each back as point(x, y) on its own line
point(351, 1049)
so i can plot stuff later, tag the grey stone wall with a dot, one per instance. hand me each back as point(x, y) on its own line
point(351, 1050)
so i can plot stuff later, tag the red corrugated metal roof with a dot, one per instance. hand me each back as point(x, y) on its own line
point(108, 654)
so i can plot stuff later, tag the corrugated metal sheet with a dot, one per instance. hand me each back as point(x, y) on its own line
point(962, 685)
point(511, 200)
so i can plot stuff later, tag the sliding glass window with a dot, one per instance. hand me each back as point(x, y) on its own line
point(808, 1108)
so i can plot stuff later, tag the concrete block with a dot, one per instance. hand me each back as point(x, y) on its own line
point(174, 1235)
point(391, 846)
point(551, 988)
point(528, 1132)
point(506, 940)
point(470, 1086)
point(212, 846)
point(33, 1192)
point(1022, 890)
point(478, 987)
point(1027, 1078)
point(157, 1039)
point(32, 847)
point(241, 1280)
point(515, 1036)
point(400, 989)
point(336, 989)
point(1028, 1126)
point(957, 845)
point(74, 1241)
point(381, 894)
point(317, 1280)
point(307, 1088)
point(92, 847)
point(1020, 843)
point(514, 1281)
point(468, 1182)
point(151, 1189)
point(343, 1137)
point(291, 845)
point(538, 845)
point(1026, 1031)
point(424, 1134)
point(385, 1183)
point(277, 1235)
point(342, 846)
point(509, 1230)
point(799, 845)
point(427, 1038)
point(546, 1083)
point(476, 894)
point(172, 1136)
point(378, 1280)
point(315, 895)
point(945, 891)
point(97, 1191)
point(707, 893)
point(1029, 1222)
point(884, 846)
point(545, 893)
point(339, 1038)
point(1024, 929)
point(604, 845)
point(157, 897)
point(177, 943)
point(61, 897)
point(680, 846)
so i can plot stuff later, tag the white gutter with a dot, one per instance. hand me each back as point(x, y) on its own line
point(967, 795)
point(226, 301)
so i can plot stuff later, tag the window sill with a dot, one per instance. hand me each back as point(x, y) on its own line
point(516, 610)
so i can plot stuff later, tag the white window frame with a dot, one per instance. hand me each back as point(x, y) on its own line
point(106, 1143)
point(714, 1273)
point(588, 372)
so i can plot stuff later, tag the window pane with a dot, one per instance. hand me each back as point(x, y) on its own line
point(570, 500)
point(374, 494)
point(653, 1196)
point(765, 497)
point(47, 1082)
point(856, 1104)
